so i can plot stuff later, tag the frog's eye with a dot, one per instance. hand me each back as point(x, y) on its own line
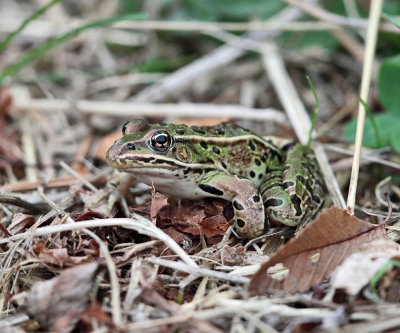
point(161, 140)
point(135, 126)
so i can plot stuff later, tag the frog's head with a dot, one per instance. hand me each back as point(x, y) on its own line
point(146, 148)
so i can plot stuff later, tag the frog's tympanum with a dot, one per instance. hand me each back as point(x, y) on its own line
point(267, 185)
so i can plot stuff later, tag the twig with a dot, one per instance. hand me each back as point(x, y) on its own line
point(138, 223)
point(367, 156)
point(13, 200)
point(78, 176)
point(349, 22)
point(372, 32)
point(29, 149)
point(180, 266)
point(115, 296)
point(129, 109)
point(180, 79)
point(390, 209)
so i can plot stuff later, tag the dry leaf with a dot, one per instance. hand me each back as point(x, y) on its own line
point(311, 257)
point(58, 256)
point(358, 269)
point(158, 201)
point(20, 222)
point(58, 303)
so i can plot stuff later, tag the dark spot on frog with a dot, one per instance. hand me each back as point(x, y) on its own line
point(316, 199)
point(180, 131)
point(296, 201)
point(237, 205)
point(203, 145)
point(273, 202)
point(174, 150)
point(130, 146)
point(180, 140)
point(256, 198)
point(198, 130)
point(301, 179)
point(263, 158)
point(223, 165)
point(186, 171)
point(220, 132)
point(270, 186)
point(199, 171)
point(288, 146)
point(257, 161)
point(240, 223)
point(287, 184)
point(210, 189)
point(216, 150)
point(260, 176)
point(251, 145)
point(252, 174)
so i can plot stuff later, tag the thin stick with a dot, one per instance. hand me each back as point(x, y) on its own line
point(115, 296)
point(372, 32)
point(130, 109)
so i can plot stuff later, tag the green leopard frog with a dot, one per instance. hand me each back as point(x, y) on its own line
point(267, 185)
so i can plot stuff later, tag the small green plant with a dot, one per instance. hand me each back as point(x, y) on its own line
point(383, 130)
point(314, 115)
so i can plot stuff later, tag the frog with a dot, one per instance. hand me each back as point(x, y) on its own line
point(267, 185)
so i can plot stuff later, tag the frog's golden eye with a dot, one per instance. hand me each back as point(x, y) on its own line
point(161, 140)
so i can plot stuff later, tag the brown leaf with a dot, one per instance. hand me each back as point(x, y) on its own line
point(20, 222)
point(158, 201)
point(58, 303)
point(94, 318)
point(58, 256)
point(311, 257)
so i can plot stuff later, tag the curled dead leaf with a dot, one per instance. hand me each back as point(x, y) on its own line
point(319, 248)
point(58, 303)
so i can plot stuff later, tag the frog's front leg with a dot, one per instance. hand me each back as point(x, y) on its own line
point(246, 201)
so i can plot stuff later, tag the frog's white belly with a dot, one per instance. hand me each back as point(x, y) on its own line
point(173, 186)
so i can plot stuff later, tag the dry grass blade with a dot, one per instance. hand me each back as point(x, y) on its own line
point(374, 17)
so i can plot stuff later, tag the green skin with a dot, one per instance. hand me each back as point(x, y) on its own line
point(267, 185)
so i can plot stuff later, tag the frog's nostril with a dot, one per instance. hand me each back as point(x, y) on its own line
point(130, 146)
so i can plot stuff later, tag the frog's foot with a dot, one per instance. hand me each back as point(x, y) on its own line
point(246, 201)
point(249, 216)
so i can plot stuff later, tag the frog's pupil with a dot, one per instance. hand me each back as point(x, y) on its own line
point(161, 139)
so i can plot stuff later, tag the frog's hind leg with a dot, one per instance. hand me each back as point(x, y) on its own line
point(294, 191)
point(246, 201)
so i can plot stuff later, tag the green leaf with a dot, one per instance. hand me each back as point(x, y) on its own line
point(388, 125)
point(389, 84)
point(392, 19)
point(34, 16)
point(395, 141)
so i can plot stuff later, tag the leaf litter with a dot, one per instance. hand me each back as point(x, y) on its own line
point(88, 262)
